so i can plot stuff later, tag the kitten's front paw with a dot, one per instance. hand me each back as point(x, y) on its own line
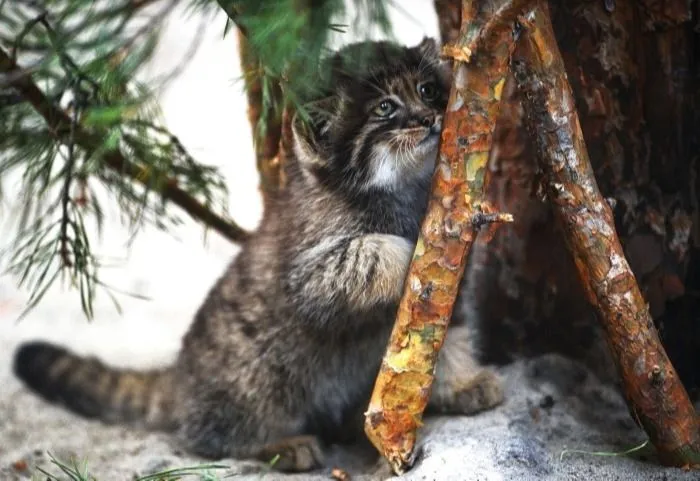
point(481, 392)
point(294, 454)
point(382, 267)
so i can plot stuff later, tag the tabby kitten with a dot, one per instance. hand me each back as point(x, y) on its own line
point(283, 353)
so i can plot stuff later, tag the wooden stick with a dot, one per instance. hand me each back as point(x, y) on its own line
point(457, 210)
point(656, 397)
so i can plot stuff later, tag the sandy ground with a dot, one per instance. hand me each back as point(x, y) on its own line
point(552, 403)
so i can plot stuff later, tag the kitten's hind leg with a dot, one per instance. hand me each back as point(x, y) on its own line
point(461, 385)
point(215, 426)
point(296, 453)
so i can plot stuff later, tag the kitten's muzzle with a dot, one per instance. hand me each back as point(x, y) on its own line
point(434, 130)
point(428, 121)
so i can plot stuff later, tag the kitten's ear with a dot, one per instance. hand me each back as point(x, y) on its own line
point(428, 47)
point(310, 130)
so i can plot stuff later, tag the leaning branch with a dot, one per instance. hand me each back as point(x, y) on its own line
point(59, 124)
point(656, 397)
point(457, 210)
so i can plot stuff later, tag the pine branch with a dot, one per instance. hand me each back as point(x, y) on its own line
point(456, 212)
point(281, 45)
point(59, 124)
point(656, 397)
point(288, 40)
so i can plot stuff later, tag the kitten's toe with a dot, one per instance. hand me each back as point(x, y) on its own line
point(485, 392)
point(294, 454)
point(481, 392)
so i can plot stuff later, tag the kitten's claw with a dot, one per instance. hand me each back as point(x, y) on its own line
point(381, 471)
point(294, 454)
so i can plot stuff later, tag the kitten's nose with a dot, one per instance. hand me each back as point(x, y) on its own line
point(428, 121)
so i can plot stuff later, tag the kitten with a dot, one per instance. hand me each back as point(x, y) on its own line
point(283, 353)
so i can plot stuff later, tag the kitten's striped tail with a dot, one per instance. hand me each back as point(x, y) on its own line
point(88, 387)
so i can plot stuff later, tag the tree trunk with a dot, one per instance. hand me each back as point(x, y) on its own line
point(657, 399)
point(267, 132)
point(634, 69)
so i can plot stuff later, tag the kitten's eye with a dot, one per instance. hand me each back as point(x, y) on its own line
point(428, 91)
point(385, 108)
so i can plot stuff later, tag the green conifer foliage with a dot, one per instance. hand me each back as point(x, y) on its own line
point(79, 130)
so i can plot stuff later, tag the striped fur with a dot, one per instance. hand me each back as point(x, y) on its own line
point(93, 390)
point(283, 352)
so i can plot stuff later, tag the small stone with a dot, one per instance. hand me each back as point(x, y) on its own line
point(547, 402)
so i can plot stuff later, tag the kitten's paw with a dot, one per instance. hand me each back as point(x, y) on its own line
point(379, 265)
point(294, 454)
point(481, 392)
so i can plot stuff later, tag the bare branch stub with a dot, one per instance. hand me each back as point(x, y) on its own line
point(456, 211)
point(654, 392)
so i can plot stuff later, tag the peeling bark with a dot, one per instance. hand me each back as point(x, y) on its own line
point(456, 211)
point(657, 398)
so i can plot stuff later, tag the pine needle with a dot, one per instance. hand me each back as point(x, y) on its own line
point(603, 453)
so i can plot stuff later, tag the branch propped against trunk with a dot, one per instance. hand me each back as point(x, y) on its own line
point(59, 122)
point(457, 210)
point(656, 397)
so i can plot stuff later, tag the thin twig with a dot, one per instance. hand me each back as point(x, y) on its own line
point(265, 116)
point(27, 28)
point(65, 193)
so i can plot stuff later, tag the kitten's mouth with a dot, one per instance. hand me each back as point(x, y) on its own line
point(432, 135)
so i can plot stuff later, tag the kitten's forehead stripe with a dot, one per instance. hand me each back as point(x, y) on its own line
point(357, 146)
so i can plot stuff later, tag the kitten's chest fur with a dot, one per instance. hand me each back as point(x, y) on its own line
point(322, 214)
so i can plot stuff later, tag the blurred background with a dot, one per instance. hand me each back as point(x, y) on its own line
point(205, 107)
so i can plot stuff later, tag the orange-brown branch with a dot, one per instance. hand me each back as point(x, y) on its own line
point(456, 211)
point(655, 394)
point(266, 134)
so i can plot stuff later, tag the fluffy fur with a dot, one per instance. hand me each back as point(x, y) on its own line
point(283, 353)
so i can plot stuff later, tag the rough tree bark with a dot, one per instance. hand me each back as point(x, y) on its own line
point(656, 396)
point(634, 70)
point(456, 210)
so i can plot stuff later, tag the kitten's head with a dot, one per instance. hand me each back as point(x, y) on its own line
point(378, 124)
